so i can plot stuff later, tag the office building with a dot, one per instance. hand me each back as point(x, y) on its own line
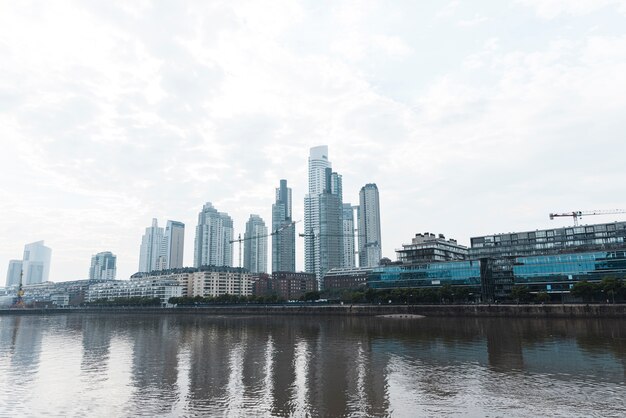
point(213, 235)
point(103, 266)
point(370, 247)
point(429, 248)
point(347, 278)
point(285, 285)
point(255, 245)
point(150, 249)
point(323, 216)
point(349, 249)
point(172, 246)
point(14, 272)
point(284, 238)
point(36, 263)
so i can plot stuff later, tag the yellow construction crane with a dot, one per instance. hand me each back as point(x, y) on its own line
point(579, 214)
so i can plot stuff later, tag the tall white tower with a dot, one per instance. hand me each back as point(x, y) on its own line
point(255, 245)
point(150, 249)
point(213, 235)
point(36, 263)
point(103, 266)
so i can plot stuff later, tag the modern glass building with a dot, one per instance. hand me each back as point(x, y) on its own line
point(456, 273)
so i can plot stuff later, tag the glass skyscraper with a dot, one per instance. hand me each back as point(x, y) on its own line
point(284, 238)
point(370, 247)
point(103, 266)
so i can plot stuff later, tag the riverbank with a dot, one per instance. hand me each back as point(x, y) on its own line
point(517, 311)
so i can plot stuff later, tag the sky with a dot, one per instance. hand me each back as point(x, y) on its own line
point(472, 118)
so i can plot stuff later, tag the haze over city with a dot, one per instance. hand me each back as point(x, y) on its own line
point(471, 118)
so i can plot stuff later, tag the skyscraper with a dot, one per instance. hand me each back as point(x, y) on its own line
point(103, 266)
point(255, 245)
point(13, 273)
point(150, 249)
point(36, 263)
point(213, 235)
point(370, 247)
point(172, 246)
point(283, 241)
point(323, 213)
point(348, 236)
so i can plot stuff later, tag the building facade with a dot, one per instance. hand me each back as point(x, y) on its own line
point(172, 246)
point(36, 263)
point(347, 278)
point(103, 266)
point(14, 272)
point(286, 285)
point(213, 235)
point(255, 245)
point(349, 249)
point(284, 230)
point(370, 246)
point(150, 249)
point(431, 248)
point(149, 287)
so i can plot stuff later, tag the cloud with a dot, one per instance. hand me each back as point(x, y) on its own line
point(550, 9)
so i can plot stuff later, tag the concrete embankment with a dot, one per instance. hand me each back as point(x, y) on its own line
point(522, 311)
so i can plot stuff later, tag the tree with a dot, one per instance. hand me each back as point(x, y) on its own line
point(542, 297)
point(520, 293)
point(611, 287)
point(584, 290)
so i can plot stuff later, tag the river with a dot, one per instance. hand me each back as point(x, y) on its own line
point(184, 365)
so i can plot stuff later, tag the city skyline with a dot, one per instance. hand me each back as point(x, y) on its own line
point(471, 119)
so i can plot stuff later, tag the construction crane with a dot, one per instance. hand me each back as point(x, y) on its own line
point(274, 232)
point(579, 214)
point(19, 301)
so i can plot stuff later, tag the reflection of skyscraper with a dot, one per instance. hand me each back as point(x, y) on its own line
point(150, 248)
point(323, 213)
point(284, 241)
point(13, 274)
point(213, 235)
point(255, 245)
point(370, 251)
point(36, 263)
point(102, 266)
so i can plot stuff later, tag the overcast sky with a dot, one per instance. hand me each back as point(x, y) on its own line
point(472, 117)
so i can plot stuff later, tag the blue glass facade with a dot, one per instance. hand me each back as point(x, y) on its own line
point(456, 273)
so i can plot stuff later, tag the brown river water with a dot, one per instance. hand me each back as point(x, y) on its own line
point(184, 365)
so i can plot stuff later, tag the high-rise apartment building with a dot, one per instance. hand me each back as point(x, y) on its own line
point(150, 249)
point(323, 213)
point(213, 235)
point(103, 266)
point(348, 236)
point(172, 246)
point(370, 247)
point(284, 238)
point(36, 263)
point(14, 272)
point(255, 245)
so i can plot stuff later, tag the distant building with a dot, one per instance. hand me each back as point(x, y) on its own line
point(347, 278)
point(550, 241)
point(36, 263)
point(283, 241)
point(14, 272)
point(213, 235)
point(172, 246)
point(255, 245)
point(428, 248)
point(349, 249)
point(285, 284)
point(150, 249)
point(150, 287)
point(103, 266)
point(323, 216)
point(370, 246)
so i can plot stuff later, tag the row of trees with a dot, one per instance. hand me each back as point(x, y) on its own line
point(609, 289)
point(223, 299)
point(133, 301)
point(443, 294)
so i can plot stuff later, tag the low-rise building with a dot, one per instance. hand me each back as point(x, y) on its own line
point(285, 284)
point(347, 278)
point(429, 248)
point(151, 287)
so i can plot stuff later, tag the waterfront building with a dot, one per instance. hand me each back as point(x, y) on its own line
point(172, 246)
point(255, 245)
point(103, 266)
point(349, 249)
point(150, 248)
point(431, 248)
point(370, 246)
point(213, 235)
point(14, 272)
point(286, 285)
point(150, 287)
point(206, 280)
point(550, 241)
point(347, 278)
point(36, 263)
point(284, 238)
